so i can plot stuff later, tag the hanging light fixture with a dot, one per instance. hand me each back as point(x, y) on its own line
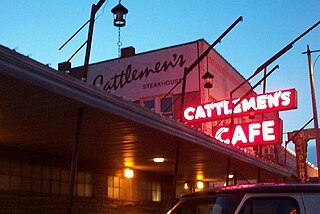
point(119, 12)
point(208, 78)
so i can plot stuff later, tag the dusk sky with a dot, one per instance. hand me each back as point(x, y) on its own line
point(38, 28)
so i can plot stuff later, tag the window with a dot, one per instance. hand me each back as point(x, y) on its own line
point(84, 184)
point(24, 177)
point(150, 104)
point(167, 107)
point(120, 188)
point(156, 191)
point(113, 187)
point(159, 105)
point(274, 205)
point(136, 190)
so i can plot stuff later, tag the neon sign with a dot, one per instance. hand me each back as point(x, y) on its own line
point(251, 134)
point(261, 103)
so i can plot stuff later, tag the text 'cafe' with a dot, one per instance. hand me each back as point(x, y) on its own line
point(263, 132)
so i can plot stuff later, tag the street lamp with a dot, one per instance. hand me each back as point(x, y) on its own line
point(119, 21)
point(119, 12)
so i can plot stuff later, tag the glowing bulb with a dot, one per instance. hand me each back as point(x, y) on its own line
point(185, 186)
point(128, 173)
point(200, 185)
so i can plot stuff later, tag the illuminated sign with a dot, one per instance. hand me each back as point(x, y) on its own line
point(250, 134)
point(261, 103)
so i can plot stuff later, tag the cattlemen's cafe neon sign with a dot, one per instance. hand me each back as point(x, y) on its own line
point(246, 134)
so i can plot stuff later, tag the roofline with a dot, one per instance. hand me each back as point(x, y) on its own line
point(143, 53)
point(169, 47)
point(18, 66)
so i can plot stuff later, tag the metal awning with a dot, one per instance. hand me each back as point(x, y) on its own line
point(38, 113)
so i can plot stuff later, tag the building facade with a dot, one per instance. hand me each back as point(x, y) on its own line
point(115, 144)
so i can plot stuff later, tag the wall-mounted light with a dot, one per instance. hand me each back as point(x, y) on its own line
point(200, 185)
point(128, 173)
point(186, 186)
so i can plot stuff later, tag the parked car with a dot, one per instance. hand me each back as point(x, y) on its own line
point(252, 199)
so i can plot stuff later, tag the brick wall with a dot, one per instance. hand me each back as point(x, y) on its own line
point(31, 203)
point(46, 203)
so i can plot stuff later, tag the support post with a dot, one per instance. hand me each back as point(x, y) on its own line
point(314, 108)
point(183, 92)
point(228, 172)
point(259, 176)
point(176, 169)
point(74, 161)
point(285, 152)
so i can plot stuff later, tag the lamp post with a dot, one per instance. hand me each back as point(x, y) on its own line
point(94, 10)
point(119, 11)
point(314, 106)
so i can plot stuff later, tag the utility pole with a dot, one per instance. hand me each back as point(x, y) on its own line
point(314, 106)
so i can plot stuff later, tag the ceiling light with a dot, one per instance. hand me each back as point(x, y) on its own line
point(158, 160)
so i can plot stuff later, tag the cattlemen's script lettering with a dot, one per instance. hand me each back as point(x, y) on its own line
point(131, 74)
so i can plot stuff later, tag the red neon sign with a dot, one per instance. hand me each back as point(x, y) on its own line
point(264, 132)
point(261, 103)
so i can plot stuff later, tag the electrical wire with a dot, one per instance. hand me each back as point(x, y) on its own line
point(316, 61)
point(103, 9)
